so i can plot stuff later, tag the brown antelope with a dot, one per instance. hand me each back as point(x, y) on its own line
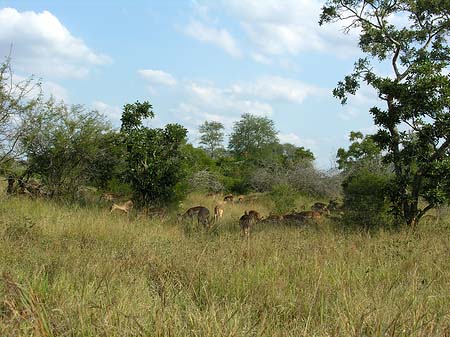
point(320, 207)
point(203, 217)
point(201, 212)
point(11, 180)
point(240, 198)
point(256, 216)
point(246, 223)
point(310, 214)
point(126, 207)
point(273, 218)
point(228, 198)
point(107, 197)
point(218, 213)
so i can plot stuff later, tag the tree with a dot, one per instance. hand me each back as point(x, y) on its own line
point(292, 155)
point(414, 124)
point(363, 151)
point(154, 156)
point(252, 135)
point(64, 144)
point(17, 98)
point(212, 137)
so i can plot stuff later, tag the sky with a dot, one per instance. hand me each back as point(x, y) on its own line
point(194, 61)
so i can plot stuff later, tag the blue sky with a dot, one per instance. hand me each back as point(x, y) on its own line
point(194, 61)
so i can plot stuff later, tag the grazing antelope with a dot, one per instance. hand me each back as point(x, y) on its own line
point(256, 216)
point(320, 207)
point(11, 180)
point(246, 222)
point(218, 213)
point(273, 218)
point(107, 197)
point(240, 198)
point(203, 217)
point(126, 207)
point(228, 198)
point(201, 212)
point(310, 214)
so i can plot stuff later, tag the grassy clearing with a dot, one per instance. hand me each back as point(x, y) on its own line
point(86, 272)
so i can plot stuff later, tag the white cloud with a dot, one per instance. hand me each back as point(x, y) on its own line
point(158, 77)
point(195, 115)
point(44, 46)
point(278, 88)
point(289, 27)
point(226, 100)
point(219, 37)
point(260, 58)
point(56, 90)
point(114, 113)
point(292, 138)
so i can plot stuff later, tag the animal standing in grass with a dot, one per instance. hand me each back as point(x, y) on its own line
point(202, 213)
point(218, 213)
point(246, 222)
point(126, 207)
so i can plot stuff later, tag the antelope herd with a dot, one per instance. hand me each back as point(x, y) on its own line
point(201, 214)
point(251, 217)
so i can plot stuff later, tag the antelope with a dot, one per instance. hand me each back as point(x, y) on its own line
point(218, 213)
point(272, 218)
point(201, 212)
point(126, 207)
point(107, 197)
point(228, 198)
point(320, 207)
point(246, 222)
point(310, 214)
point(204, 218)
point(11, 180)
point(256, 216)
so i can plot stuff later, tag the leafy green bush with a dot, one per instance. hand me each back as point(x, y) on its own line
point(283, 197)
point(365, 199)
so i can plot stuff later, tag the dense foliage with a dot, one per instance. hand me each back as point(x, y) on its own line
point(212, 137)
point(17, 99)
point(414, 124)
point(154, 156)
point(67, 147)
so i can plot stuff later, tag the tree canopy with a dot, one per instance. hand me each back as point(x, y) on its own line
point(154, 156)
point(251, 135)
point(414, 124)
point(17, 99)
point(211, 137)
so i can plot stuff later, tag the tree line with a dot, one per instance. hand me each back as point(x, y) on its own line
point(396, 175)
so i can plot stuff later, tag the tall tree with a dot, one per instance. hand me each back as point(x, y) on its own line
point(17, 98)
point(65, 145)
point(414, 125)
point(252, 135)
point(154, 156)
point(211, 137)
point(363, 150)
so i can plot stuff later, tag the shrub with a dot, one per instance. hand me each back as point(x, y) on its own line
point(283, 197)
point(204, 180)
point(365, 199)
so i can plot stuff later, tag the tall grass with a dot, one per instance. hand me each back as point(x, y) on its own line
point(69, 271)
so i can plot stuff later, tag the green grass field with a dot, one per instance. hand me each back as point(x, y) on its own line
point(68, 271)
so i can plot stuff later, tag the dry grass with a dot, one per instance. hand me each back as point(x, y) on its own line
point(86, 272)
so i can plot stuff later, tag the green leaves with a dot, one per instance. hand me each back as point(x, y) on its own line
point(154, 156)
point(414, 124)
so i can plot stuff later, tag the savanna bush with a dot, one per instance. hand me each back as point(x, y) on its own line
point(304, 178)
point(366, 200)
point(283, 197)
point(205, 181)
